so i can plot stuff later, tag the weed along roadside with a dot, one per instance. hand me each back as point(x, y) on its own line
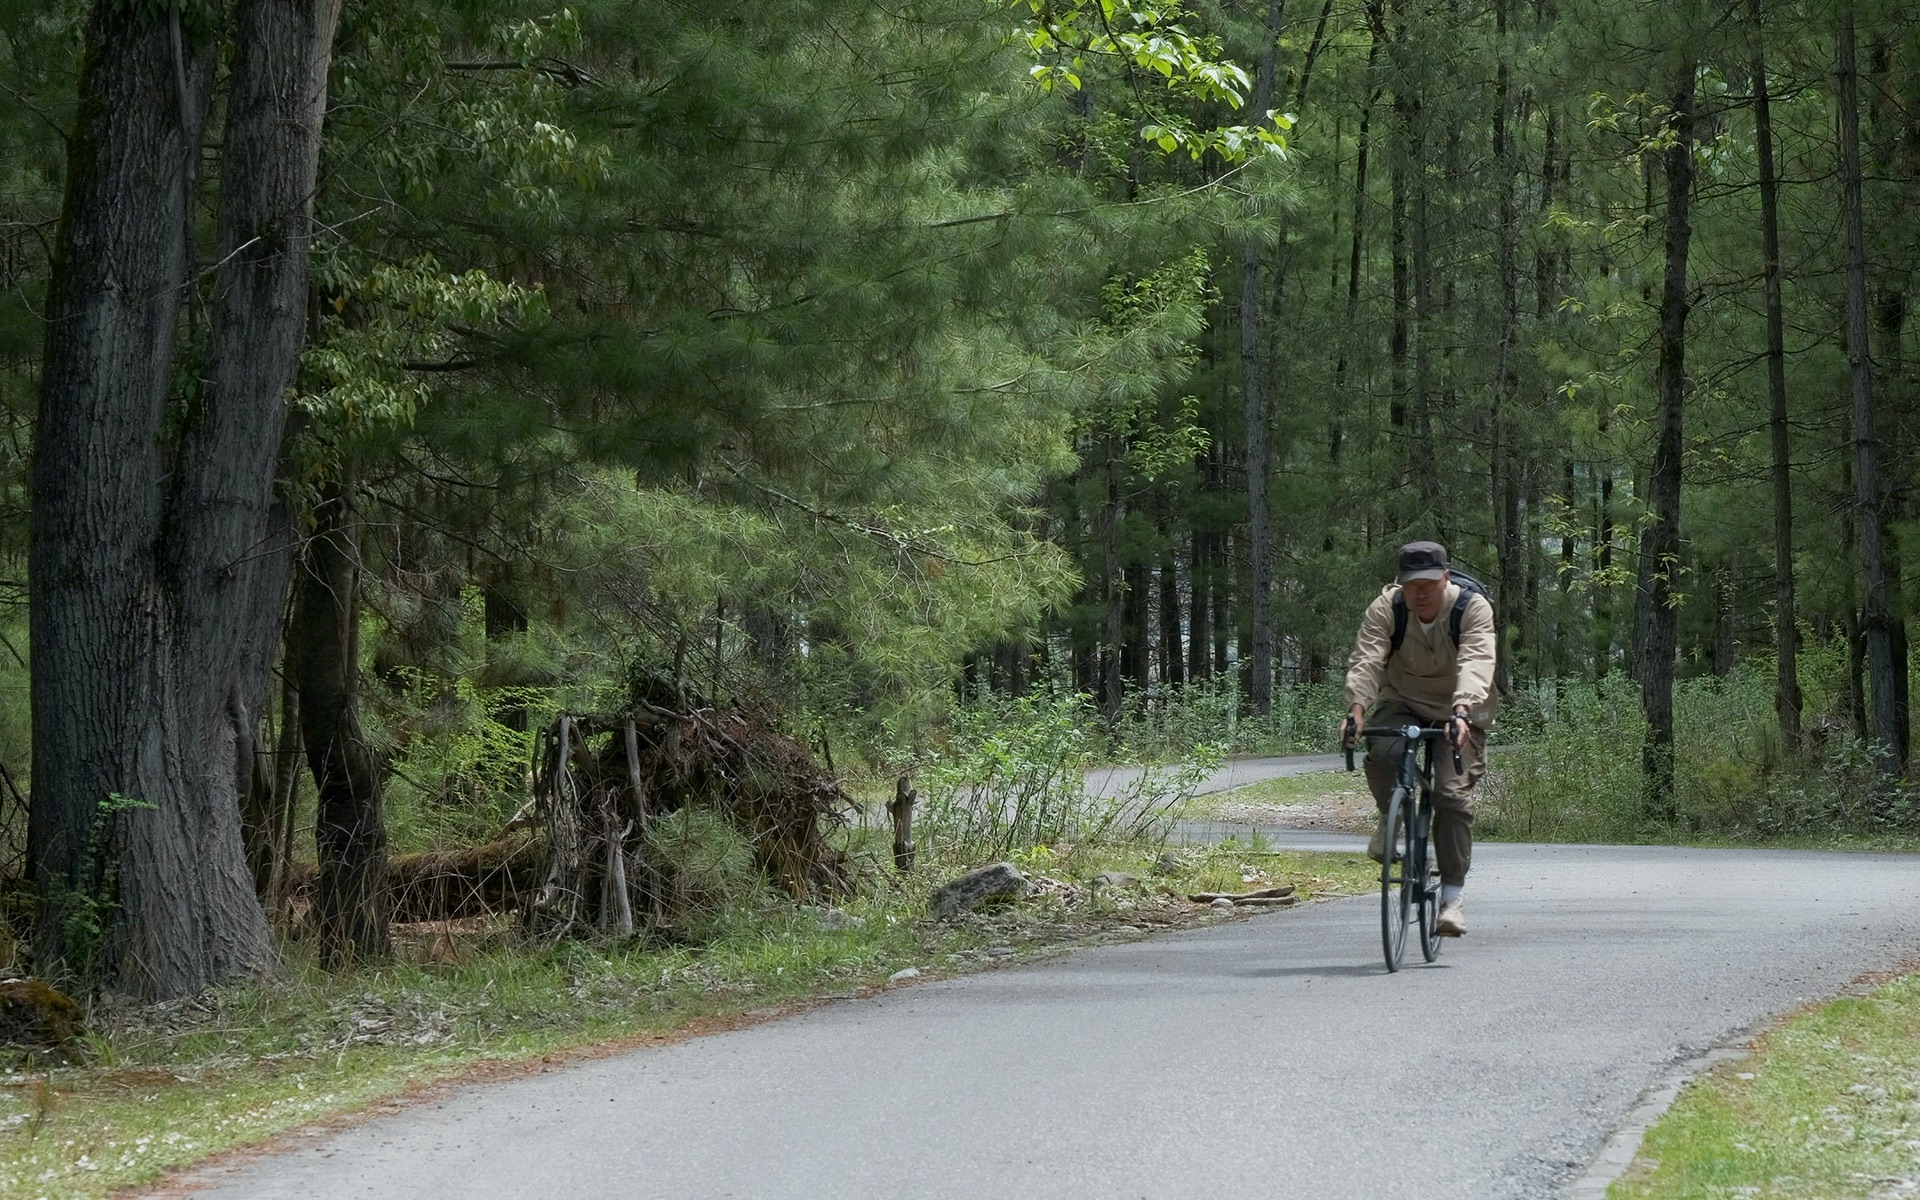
point(1822, 1106)
point(170, 1085)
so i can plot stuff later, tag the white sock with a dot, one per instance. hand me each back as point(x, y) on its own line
point(1449, 892)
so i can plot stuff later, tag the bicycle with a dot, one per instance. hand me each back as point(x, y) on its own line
point(1409, 872)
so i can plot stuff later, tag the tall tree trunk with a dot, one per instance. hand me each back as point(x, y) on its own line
point(154, 598)
point(1222, 601)
point(287, 769)
point(1137, 658)
point(1172, 652)
point(1199, 632)
point(1660, 544)
point(1507, 458)
point(1112, 590)
point(1259, 422)
point(1874, 616)
point(1357, 242)
point(350, 832)
point(1422, 463)
point(1786, 638)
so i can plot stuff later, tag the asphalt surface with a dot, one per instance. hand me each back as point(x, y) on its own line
point(1269, 1057)
point(1235, 772)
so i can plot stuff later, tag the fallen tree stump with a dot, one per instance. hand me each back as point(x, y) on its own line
point(602, 779)
point(448, 885)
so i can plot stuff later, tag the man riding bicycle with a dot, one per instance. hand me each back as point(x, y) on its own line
point(1425, 654)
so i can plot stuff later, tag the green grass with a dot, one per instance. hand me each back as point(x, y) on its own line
point(1827, 1107)
point(1286, 790)
point(173, 1085)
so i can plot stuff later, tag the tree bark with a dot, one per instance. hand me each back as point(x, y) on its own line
point(1660, 544)
point(1137, 656)
point(148, 561)
point(1172, 652)
point(1200, 584)
point(1874, 615)
point(1259, 652)
point(1112, 589)
point(1786, 693)
point(1356, 243)
point(350, 833)
point(1507, 458)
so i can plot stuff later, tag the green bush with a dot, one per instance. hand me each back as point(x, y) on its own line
point(1161, 723)
point(1572, 771)
point(1012, 774)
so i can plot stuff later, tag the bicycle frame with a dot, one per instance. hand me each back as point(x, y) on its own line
point(1417, 884)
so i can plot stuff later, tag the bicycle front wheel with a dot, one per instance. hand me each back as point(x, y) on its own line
point(1396, 896)
point(1425, 869)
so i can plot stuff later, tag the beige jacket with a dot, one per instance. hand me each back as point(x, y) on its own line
point(1427, 672)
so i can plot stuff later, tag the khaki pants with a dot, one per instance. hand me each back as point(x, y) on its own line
point(1453, 795)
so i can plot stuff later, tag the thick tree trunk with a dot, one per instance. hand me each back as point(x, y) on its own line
point(1786, 693)
point(1253, 369)
point(350, 833)
point(1875, 619)
point(1660, 544)
point(141, 719)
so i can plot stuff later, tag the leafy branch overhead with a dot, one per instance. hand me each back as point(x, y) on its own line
point(1070, 39)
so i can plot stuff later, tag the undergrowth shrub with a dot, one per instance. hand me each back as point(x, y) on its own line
point(1573, 769)
point(1162, 722)
point(1012, 774)
point(707, 866)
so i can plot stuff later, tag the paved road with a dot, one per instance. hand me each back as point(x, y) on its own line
point(1269, 1057)
point(1235, 772)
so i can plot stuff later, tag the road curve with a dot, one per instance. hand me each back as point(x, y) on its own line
point(1267, 1057)
point(1233, 773)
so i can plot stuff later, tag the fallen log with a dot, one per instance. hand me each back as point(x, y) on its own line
point(1282, 891)
point(446, 885)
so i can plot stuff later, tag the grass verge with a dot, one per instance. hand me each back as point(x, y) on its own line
point(1827, 1106)
point(1337, 789)
point(172, 1085)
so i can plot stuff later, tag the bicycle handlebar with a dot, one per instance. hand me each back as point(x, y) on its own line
point(1413, 732)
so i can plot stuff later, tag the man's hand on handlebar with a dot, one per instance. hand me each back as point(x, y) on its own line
point(1457, 727)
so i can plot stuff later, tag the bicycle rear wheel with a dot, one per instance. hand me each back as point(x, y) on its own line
point(1396, 897)
point(1426, 870)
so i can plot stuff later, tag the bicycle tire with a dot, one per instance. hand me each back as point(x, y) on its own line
point(1396, 898)
point(1427, 872)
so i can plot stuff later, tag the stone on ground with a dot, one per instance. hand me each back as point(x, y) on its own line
point(996, 881)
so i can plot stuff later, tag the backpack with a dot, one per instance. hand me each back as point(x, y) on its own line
point(1469, 588)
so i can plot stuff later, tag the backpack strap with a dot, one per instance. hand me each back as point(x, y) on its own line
point(1454, 618)
point(1459, 613)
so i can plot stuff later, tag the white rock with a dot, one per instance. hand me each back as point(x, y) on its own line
point(904, 973)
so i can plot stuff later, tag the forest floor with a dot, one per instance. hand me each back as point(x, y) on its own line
point(170, 1086)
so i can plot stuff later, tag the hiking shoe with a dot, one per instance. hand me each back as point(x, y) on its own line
point(1452, 921)
point(1377, 845)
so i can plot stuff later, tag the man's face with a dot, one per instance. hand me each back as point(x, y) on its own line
point(1424, 597)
